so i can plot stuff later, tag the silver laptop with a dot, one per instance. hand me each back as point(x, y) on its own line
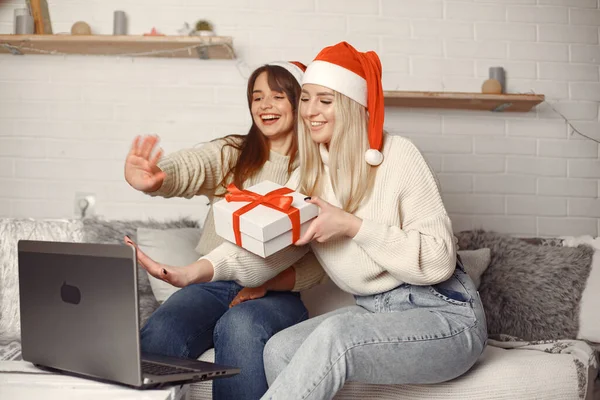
point(79, 314)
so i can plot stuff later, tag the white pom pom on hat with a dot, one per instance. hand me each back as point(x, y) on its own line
point(357, 75)
point(373, 157)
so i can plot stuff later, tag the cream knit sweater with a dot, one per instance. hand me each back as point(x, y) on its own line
point(405, 235)
point(199, 171)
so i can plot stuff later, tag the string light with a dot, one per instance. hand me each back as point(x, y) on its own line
point(16, 49)
point(569, 124)
point(573, 129)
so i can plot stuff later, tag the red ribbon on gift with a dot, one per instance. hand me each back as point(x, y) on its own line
point(275, 199)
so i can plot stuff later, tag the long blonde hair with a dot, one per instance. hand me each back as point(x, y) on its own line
point(351, 177)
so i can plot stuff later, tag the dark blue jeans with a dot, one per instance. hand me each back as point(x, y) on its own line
point(198, 317)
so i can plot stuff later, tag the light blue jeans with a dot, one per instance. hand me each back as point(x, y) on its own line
point(409, 335)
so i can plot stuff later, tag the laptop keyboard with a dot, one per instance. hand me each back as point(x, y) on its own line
point(161, 369)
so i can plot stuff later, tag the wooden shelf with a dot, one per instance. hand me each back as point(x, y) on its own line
point(463, 101)
point(204, 47)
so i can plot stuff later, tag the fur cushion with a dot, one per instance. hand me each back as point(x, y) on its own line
point(112, 232)
point(11, 231)
point(530, 291)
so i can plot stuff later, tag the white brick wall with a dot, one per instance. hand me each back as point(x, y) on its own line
point(505, 31)
point(67, 122)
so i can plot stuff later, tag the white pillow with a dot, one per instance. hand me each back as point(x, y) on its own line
point(589, 323)
point(175, 247)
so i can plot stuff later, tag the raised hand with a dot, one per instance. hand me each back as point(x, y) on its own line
point(332, 222)
point(141, 171)
point(200, 271)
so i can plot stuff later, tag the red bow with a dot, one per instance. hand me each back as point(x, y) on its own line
point(275, 199)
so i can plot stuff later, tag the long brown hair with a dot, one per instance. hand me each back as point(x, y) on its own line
point(254, 147)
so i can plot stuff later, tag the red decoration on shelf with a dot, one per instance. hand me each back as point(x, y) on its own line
point(154, 32)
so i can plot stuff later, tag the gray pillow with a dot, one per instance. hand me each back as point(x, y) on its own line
point(528, 291)
point(96, 230)
point(175, 247)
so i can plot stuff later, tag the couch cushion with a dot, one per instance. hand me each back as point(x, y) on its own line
point(530, 291)
point(518, 373)
point(11, 231)
point(499, 374)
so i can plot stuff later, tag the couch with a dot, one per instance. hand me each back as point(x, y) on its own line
point(541, 296)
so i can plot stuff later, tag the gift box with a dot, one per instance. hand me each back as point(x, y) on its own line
point(264, 218)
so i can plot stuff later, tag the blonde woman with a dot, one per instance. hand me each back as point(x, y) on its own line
point(383, 234)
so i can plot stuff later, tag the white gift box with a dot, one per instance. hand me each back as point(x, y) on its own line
point(264, 230)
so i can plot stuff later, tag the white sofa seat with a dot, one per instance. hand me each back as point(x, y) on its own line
point(499, 374)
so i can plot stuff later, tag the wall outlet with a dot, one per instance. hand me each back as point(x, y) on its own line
point(85, 205)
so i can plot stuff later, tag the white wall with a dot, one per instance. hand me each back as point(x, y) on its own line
point(66, 121)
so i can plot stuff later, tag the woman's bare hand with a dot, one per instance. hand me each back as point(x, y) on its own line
point(200, 271)
point(141, 171)
point(332, 222)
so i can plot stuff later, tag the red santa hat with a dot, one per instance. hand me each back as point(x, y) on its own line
point(356, 75)
point(295, 68)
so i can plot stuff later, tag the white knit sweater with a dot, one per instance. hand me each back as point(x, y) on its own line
point(405, 235)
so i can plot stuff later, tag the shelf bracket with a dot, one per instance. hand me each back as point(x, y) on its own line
point(13, 49)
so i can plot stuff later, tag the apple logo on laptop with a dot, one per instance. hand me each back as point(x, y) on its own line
point(70, 294)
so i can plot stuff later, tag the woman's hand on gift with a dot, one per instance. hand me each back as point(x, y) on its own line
point(197, 272)
point(248, 293)
point(141, 171)
point(332, 222)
